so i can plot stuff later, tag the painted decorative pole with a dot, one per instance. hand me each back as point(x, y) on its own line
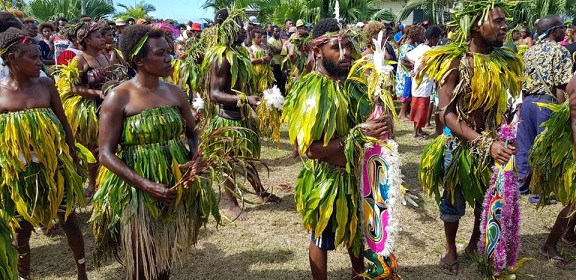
point(380, 183)
point(499, 244)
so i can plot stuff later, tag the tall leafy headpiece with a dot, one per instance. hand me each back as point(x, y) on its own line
point(466, 12)
point(228, 29)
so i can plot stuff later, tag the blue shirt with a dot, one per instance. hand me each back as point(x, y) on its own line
point(397, 37)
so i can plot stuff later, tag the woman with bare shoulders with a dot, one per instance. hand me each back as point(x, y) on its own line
point(141, 124)
point(82, 96)
point(39, 178)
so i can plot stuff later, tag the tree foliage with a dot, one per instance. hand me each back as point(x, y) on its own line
point(140, 10)
point(45, 10)
point(435, 11)
point(528, 11)
point(531, 11)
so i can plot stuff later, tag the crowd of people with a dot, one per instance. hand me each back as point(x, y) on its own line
point(150, 115)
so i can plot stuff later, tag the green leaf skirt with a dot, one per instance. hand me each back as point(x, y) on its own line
point(465, 169)
point(325, 193)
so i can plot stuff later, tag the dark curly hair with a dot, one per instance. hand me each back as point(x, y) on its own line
point(12, 40)
point(43, 25)
point(8, 20)
point(433, 31)
point(131, 37)
point(324, 26)
point(414, 31)
point(371, 30)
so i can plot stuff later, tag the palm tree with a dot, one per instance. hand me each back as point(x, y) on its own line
point(140, 10)
point(531, 11)
point(276, 11)
point(384, 14)
point(434, 10)
point(221, 4)
point(45, 10)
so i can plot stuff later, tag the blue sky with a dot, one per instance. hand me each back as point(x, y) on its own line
point(179, 10)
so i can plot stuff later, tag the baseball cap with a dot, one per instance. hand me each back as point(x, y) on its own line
point(299, 23)
point(196, 27)
point(360, 24)
point(120, 22)
point(401, 27)
point(253, 20)
point(292, 29)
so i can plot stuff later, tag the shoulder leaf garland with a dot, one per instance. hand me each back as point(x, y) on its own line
point(484, 79)
point(319, 119)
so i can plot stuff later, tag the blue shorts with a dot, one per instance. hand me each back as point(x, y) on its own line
point(452, 211)
point(326, 239)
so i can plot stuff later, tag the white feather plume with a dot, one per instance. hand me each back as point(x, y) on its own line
point(274, 98)
point(337, 10)
point(379, 56)
point(198, 103)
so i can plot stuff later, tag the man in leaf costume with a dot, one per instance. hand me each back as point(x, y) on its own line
point(473, 73)
point(546, 124)
point(326, 115)
point(38, 160)
point(232, 80)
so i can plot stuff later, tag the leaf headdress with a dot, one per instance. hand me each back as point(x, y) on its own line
point(227, 30)
point(466, 12)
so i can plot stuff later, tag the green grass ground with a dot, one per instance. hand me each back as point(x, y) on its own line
point(274, 245)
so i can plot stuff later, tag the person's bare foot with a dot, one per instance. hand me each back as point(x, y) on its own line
point(268, 197)
point(569, 239)
point(449, 264)
point(293, 154)
point(556, 258)
point(237, 213)
point(284, 187)
point(469, 252)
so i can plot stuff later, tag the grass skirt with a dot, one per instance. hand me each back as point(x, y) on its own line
point(325, 193)
point(38, 172)
point(553, 158)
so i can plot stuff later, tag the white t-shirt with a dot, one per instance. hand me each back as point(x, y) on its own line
point(425, 88)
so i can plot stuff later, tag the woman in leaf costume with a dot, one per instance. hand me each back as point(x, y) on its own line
point(326, 115)
point(138, 216)
point(474, 75)
point(232, 80)
point(38, 178)
point(80, 85)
